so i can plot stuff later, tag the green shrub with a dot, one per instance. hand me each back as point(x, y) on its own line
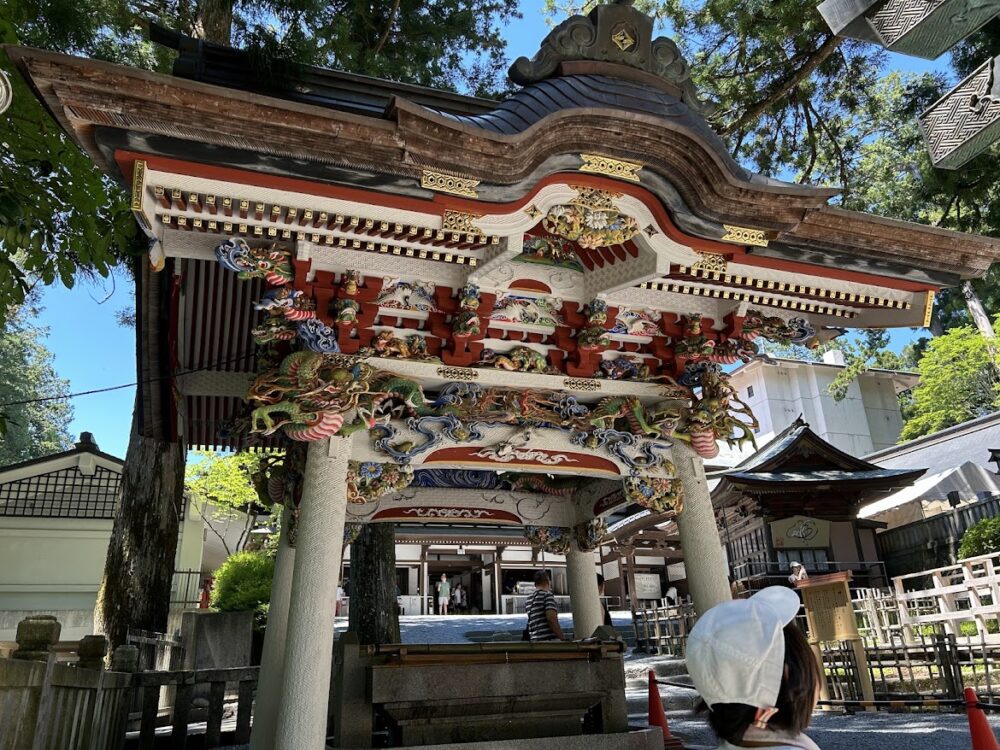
point(242, 583)
point(981, 538)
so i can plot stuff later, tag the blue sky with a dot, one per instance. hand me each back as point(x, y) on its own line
point(93, 351)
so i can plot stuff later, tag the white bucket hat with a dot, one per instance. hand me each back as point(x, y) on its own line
point(736, 651)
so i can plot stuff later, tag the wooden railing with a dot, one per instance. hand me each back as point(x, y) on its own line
point(662, 628)
point(946, 597)
point(48, 703)
point(150, 683)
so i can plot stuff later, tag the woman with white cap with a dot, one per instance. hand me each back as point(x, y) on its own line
point(755, 672)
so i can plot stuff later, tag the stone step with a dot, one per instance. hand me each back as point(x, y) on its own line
point(674, 699)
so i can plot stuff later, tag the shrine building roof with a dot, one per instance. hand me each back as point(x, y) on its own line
point(611, 243)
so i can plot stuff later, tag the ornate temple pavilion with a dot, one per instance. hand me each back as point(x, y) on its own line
point(409, 280)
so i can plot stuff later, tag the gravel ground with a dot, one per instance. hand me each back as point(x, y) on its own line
point(863, 731)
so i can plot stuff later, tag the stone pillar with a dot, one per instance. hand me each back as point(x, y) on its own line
point(305, 691)
point(35, 637)
point(707, 575)
point(272, 660)
point(581, 575)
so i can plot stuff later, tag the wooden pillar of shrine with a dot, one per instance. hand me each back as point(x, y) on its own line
point(272, 661)
point(305, 685)
point(581, 575)
point(704, 562)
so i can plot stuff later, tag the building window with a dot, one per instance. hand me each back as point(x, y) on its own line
point(813, 560)
point(749, 391)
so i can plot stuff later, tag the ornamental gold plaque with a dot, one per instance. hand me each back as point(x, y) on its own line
point(744, 236)
point(446, 183)
point(928, 309)
point(459, 221)
point(458, 373)
point(711, 263)
point(622, 170)
point(582, 384)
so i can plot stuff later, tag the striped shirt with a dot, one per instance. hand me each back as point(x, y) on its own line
point(537, 605)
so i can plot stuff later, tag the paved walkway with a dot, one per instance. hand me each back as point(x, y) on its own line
point(881, 731)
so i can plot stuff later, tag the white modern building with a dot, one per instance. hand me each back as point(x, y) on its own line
point(866, 420)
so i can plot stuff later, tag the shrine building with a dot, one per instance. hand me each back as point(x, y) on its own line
point(405, 280)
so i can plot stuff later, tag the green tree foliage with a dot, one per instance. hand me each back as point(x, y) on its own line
point(58, 215)
point(980, 539)
point(224, 494)
point(243, 583)
point(27, 372)
point(958, 382)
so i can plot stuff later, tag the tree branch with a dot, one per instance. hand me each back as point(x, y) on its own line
point(783, 87)
point(388, 28)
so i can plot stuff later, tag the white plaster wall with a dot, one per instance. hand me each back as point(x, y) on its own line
point(55, 565)
point(882, 409)
point(51, 566)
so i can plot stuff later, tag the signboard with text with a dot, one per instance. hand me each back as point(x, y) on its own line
point(647, 586)
point(800, 532)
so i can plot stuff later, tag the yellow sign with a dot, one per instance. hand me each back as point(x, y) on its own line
point(829, 611)
point(800, 532)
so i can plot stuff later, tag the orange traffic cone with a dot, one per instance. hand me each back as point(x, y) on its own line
point(658, 717)
point(982, 735)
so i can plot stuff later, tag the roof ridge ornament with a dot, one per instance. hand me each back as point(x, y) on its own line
point(611, 33)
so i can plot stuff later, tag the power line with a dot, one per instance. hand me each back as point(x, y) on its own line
point(91, 392)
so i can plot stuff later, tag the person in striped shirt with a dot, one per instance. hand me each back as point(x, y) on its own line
point(543, 614)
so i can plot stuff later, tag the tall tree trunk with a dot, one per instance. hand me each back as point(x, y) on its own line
point(977, 312)
point(214, 21)
point(373, 613)
point(139, 569)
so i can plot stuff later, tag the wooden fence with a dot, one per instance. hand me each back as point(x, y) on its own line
point(944, 598)
point(47, 703)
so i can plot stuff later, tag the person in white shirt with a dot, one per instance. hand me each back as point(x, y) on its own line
point(755, 672)
point(798, 573)
point(340, 599)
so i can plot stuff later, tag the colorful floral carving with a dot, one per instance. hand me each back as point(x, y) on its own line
point(368, 481)
point(549, 251)
point(694, 344)
point(588, 535)
point(291, 303)
point(397, 294)
point(592, 220)
point(552, 539)
point(635, 323)
point(658, 494)
point(624, 368)
point(317, 336)
point(388, 344)
point(713, 416)
point(773, 328)
point(594, 335)
point(347, 310)
point(518, 359)
point(349, 282)
point(310, 395)
point(536, 311)
point(272, 264)
point(466, 320)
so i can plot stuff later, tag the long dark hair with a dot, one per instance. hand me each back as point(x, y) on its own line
point(796, 698)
